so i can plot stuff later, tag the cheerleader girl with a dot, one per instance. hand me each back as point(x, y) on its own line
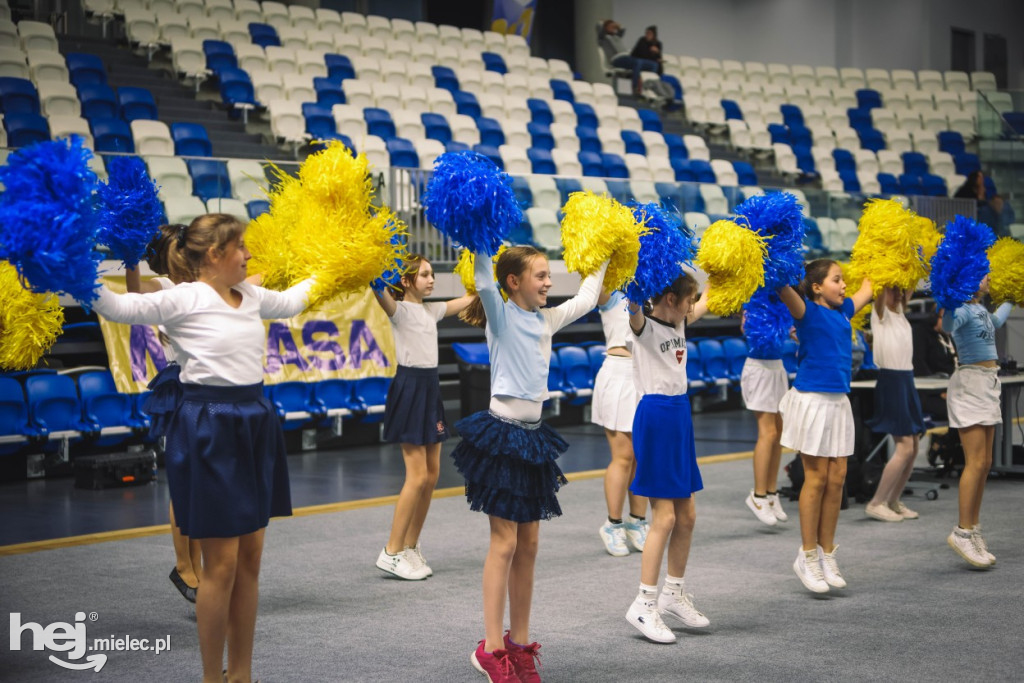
point(226, 461)
point(507, 455)
point(414, 414)
point(817, 420)
point(973, 401)
point(897, 405)
point(763, 383)
point(666, 458)
point(613, 406)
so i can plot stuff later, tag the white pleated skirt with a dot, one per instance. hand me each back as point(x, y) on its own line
point(763, 384)
point(973, 396)
point(614, 401)
point(818, 424)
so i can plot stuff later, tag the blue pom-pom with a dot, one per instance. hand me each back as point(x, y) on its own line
point(961, 262)
point(664, 249)
point(128, 210)
point(766, 322)
point(470, 200)
point(47, 226)
point(779, 219)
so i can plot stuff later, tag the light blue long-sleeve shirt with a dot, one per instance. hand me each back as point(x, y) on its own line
point(519, 341)
point(974, 331)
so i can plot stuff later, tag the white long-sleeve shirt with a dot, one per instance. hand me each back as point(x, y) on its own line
point(215, 344)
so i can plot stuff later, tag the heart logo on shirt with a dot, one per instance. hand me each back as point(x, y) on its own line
point(679, 355)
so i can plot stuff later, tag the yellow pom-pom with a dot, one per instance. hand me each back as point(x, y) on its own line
point(733, 257)
point(928, 237)
point(336, 180)
point(887, 249)
point(465, 265)
point(854, 278)
point(29, 322)
point(1006, 271)
point(595, 229)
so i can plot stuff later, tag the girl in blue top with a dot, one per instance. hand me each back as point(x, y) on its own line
point(817, 420)
point(973, 401)
point(507, 455)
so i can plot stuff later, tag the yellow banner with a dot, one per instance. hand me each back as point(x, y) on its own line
point(349, 337)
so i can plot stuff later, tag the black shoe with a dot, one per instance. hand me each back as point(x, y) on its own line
point(186, 591)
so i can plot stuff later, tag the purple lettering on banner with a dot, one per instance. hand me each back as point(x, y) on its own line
point(330, 345)
point(359, 336)
point(280, 336)
point(142, 339)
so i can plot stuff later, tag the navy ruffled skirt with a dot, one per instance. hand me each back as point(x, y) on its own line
point(226, 461)
point(163, 400)
point(510, 467)
point(897, 404)
point(414, 411)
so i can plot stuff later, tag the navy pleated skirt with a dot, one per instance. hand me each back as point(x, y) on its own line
point(510, 467)
point(226, 461)
point(666, 455)
point(897, 404)
point(414, 411)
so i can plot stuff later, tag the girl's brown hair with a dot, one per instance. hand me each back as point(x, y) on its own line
point(160, 246)
point(189, 249)
point(410, 267)
point(815, 273)
point(513, 261)
point(683, 286)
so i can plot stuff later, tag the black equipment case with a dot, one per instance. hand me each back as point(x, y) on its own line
point(115, 469)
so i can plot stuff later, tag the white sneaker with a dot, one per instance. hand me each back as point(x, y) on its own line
point(979, 543)
point(400, 566)
point(808, 570)
point(415, 557)
point(644, 616)
point(614, 537)
point(962, 542)
point(680, 605)
point(902, 510)
point(636, 533)
point(761, 508)
point(882, 513)
point(830, 568)
point(776, 507)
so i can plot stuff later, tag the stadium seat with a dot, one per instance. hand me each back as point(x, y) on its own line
point(735, 350)
point(104, 406)
point(319, 120)
point(295, 405)
point(219, 55)
point(18, 96)
point(695, 377)
point(577, 377)
point(541, 161)
point(264, 35)
point(136, 103)
point(191, 139)
point(54, 406)
point(402, 153)
point(111, 135)
point(209, 178)
point(370, 395)
point(25, 129)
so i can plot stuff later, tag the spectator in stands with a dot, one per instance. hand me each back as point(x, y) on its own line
point(649, 47)
point(992, 211)
point(610, 39)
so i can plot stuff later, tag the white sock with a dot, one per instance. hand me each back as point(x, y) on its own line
point(647, 594)
point(673, 585)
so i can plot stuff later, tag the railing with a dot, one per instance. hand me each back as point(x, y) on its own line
point(1001, 152)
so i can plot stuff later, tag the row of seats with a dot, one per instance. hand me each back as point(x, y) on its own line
point(26, 34)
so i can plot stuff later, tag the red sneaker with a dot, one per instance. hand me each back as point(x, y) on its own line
point(523, 657)
point(497, 665)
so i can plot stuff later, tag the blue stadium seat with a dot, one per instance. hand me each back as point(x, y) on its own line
point(634, 142)
point(619, 190)
point(436, 127)
point(403, 153)
point(257, 207)
point(585, 116)
point(26, 129)
point(702, 171)
point(804, 159)
point(888, 184)
point(191, 140)
point(491, 153)
point(371, 394)
point(596, 352)
point(614, 166)
point(561, 90)
point(1015, 119)
point(791, 115)
point(812, 235)
point(334, 396)
point(966, 162)
point(859, 118)
point(466, 104)
point(540, 112)
point(339, 67)
point(735, 350)
point(851, 183)
point(209, 178)
point(789, 349)
point(14, 424)
point(295, 404)
point(577, 377)
point(677, 90)
point(915, 163)
point(592, 164)
point(236, 87)
point(844, 160)
point(684, 173)
point(745, 173)
point(264, 35)
point(521, 189)
point(934, 185)
point(692, 198)
point(379, 123)
point(103, 405)
point(319, 120)
point(800, 136)
point(219, 55)
point(650, 120)
point(85, 69)
point(567, 186)
point(732, 110)
point(522, 234)
point(98, 101)
point(111, 135)
point(778, 133)
point(695, 377)
point(589, 142)
point(676, 146)
point(18, 96)
point(869, 99)
point(555, 377)
point(540, 136)
point(951, 142)
point(871, 139)
point(494, 62)
point(329, 90)
point(53, 405)
point(445, 78)
point(734, 195)
point(910, 184)
point(456, 146)
point(136, 103)
point(324, 142)
point(491, 133)
point(540, 161)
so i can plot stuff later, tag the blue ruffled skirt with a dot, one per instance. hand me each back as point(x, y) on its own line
point(164, 399)
point(509, 467)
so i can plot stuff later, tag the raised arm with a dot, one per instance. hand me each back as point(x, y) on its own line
point(134, 283)
point(456, 306)
point(948, 321)
point(158, 308)
point(636, 318)
point(386, 301)
point(863, 296)
point(794, 302)
point(700, 307)
point(487, 289)
point(292, 301)
point(575, 308)
point(1002, 313)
